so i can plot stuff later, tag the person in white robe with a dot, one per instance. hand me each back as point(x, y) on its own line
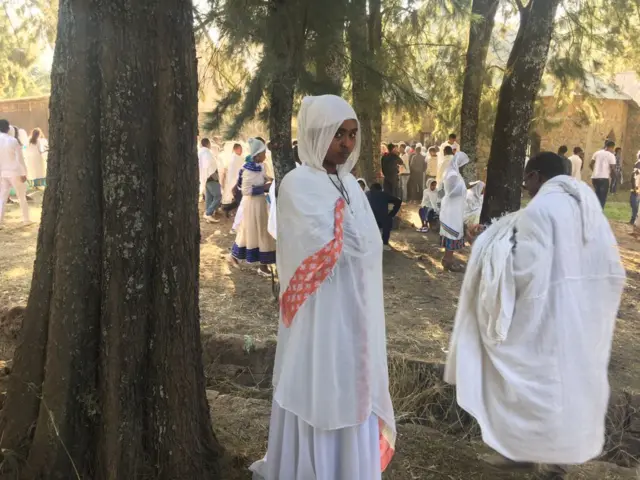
point(332, 416)
point(452, 212)
point(530, 348)
point(475, 198)
point(577, 160)
point(230, 179)
point(35, 158)
point(429, 207)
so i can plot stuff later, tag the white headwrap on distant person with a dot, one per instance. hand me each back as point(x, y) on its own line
point(331, 362)
point(454, 201)
point(256, 147)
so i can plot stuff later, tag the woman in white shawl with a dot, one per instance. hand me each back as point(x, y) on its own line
point(253, 242)
point(530, 348)
point(452, 212)
point(332, 416)
point(430, 206)
point(475, 197)
point(34, 157)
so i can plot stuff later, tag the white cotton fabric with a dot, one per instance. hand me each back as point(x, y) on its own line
point(530, 348)
point(331, 363)
point(604, 159)
point(231, 177)
point(454, 201)
point(576, 167)
point(474, 203)
point(11, 160)
point(430, 197)
point(35, 159)
point(272, 226)
point(297, 451)
point(207, 166)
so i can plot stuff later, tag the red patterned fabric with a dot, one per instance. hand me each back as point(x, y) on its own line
point(313, 270)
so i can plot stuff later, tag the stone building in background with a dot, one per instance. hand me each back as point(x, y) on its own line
point(27, 113)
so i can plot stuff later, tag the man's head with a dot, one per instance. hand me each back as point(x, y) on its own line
point(402, 147)
point(433, 151)
point(418, 150)
point(391, 148)
point(562, 151)
point(237, 149)
point(205, 142)
point(452, 138)
point(578, 151)
point(618, 150)
point(448, 151)
point(375, 187)
point(541, 168)
point(609, 145)
point(4, 125)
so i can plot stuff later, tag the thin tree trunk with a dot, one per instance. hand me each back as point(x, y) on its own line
point(360, 82)
point(108, 381)
point(518, 92)
point(483, 14)
point(375, 83)
point(287, 21)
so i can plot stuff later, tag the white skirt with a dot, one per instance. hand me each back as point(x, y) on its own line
point(297, 451)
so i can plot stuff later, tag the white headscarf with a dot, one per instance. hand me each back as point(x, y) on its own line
point(366, 185)
point(474, 203)
point(256, 147)
point(318, 121)
point(331, 365)
point(454, 201)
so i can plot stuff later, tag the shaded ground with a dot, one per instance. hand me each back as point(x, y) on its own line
point(420, 301)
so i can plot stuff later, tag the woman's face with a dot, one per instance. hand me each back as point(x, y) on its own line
point(343, 143)
point(261, 157)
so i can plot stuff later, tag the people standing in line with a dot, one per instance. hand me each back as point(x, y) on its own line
point(576, 163)
point(380, 201)
point(209, 180)
point(417, 168)
point(452, 212)
point(616, 175)
point(403, 171)
point(254, 243)
point(332, 416)
point(603, 164)
point(568, 167)
point(13, 172)
point(432, 162)
point(430, 207)
point(230, 201)
point(391, 164)
point(35, 159)
point(538, 303)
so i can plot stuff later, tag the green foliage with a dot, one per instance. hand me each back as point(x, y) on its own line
point(28, 28)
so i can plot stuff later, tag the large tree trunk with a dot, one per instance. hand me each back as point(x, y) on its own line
point(483, 14)
point(108, 381)
point(285, 48)
point(360, 83)
point(515, 108)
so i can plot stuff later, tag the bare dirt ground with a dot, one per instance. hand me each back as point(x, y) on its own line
point(420, 301)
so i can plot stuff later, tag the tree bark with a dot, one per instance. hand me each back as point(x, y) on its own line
point(328, 21)
point(518, 92)
point(375, 83)
point(108, 381)
point(361, 82)
point(287, 21)
point(483, 14)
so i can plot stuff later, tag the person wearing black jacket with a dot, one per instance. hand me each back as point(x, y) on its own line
point(380, 201)
point(391, 163)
